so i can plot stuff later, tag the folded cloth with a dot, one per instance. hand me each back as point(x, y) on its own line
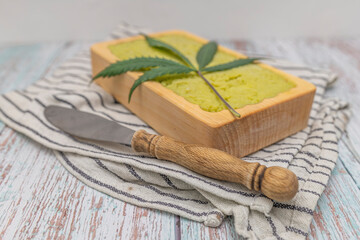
point(148, 182)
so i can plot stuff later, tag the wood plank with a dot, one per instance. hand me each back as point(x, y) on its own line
point(38, 197)
point(337, 215)
point(22, 65)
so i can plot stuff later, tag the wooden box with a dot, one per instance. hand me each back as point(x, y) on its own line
point(170, 114)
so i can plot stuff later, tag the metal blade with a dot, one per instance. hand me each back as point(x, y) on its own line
point(87, 125)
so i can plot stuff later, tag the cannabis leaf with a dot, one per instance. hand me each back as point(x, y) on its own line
point(154, 67)
point(229, 65)
point(134, 64)
point(206, 54)
point(158, 72)
point(159, 44)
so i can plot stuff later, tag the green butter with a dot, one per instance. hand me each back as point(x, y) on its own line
point(239, 86)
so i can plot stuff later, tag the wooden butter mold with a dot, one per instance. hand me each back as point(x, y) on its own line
point(171, 115)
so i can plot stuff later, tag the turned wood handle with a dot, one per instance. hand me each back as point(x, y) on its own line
point(276, 183)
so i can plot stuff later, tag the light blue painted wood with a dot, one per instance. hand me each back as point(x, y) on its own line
point(337, 215)
point(22, 65)
point(349, 156)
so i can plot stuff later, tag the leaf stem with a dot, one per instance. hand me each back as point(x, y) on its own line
point(233, 111)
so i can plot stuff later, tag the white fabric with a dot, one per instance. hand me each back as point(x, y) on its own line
point(119, 172)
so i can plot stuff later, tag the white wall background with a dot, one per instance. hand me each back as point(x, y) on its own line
point(24, 21)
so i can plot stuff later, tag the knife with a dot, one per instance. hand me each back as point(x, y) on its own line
point(276, 183)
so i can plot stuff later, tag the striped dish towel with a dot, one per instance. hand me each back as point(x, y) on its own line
point(119, 172)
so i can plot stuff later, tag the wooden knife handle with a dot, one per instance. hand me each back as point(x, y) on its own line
point(276, 183)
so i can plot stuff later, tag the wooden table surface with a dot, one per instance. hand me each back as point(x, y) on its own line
point(39, 199)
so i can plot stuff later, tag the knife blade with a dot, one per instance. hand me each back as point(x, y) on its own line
point(274, 182)
point(87, 125)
